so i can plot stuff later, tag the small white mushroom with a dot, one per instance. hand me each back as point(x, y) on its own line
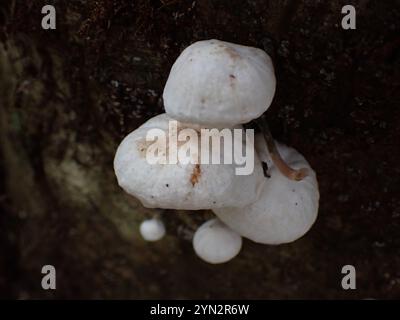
point(285, 210)
point(181, 186)
point(220, 84)
point(214, 242)
point(152, 229)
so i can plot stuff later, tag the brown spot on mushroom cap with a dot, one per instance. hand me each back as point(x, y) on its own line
point(232, 76)
point(232, 53)
point(194, 178)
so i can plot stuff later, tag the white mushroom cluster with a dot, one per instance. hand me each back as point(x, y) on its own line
point(285, 210)
point(220, 85)
point(215, 242)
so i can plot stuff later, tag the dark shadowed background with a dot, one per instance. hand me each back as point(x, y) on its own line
point(69, 96)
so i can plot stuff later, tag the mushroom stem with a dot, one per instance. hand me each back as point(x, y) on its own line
point(290, 173)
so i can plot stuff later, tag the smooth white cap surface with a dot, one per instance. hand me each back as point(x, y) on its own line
point(214, 242)
point(285, 210)
point(152, 229)
point(181, 186)
point(219, 83)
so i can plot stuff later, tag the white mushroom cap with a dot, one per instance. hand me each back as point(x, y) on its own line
point(219, 83)
point(214, 242)
point(181, 186)
point(285, 210)
point(152, 229)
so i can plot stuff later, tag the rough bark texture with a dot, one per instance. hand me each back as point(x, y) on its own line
point(68, 97)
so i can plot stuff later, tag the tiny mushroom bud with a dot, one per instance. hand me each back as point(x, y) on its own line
point(186, 186)
point(219, 83)
point(214, 242)
point(285, 210)
point(152, 229)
